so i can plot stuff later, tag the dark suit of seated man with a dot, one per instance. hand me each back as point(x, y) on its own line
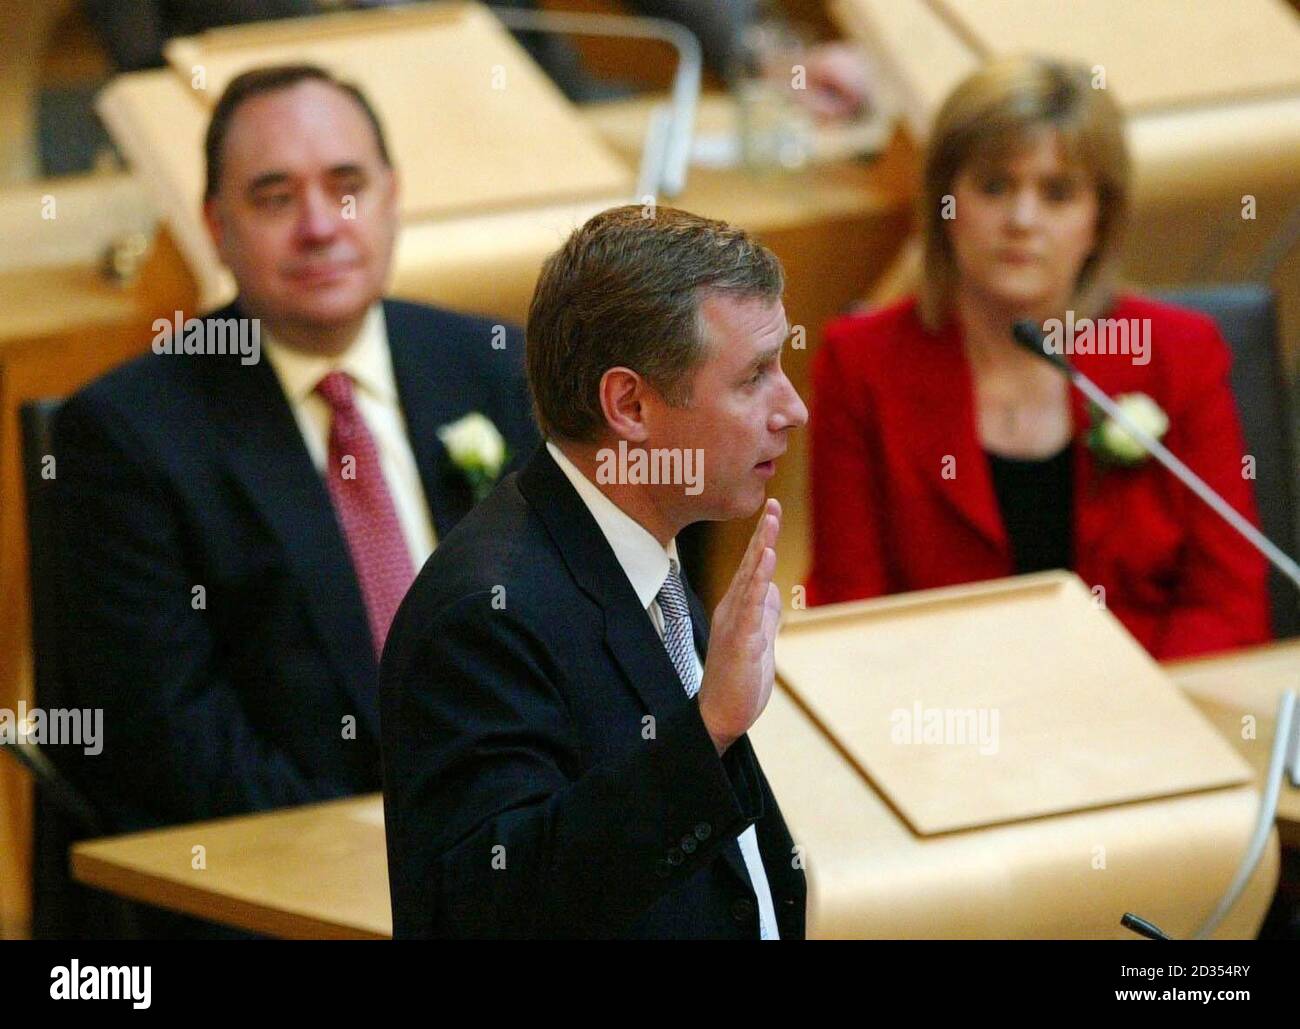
point(557, 760)
point(238, 528)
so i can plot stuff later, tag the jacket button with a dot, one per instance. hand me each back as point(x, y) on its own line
point(689, 844)
point(742, 909)
point(663, 869)
point(703, 831)
point(676, 857)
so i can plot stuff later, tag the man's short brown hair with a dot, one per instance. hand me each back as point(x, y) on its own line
point(272, 79)
point(625, 291)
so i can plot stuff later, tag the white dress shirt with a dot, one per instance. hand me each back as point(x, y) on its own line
point(646, 565)
point(370, 365)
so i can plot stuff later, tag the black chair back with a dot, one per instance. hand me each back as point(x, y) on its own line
point(1247, 318)
point(36, 421)
point(60, 907)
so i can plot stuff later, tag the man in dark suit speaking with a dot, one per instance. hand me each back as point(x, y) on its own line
point(243, 509)
point(557, 759)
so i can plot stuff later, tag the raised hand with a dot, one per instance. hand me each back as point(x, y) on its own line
point(740, 669)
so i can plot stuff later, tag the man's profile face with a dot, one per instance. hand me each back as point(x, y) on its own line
point(741, 410)
point(305, 214)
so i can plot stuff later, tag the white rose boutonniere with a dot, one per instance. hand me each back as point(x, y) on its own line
point(1112, 443)
point(477, 449)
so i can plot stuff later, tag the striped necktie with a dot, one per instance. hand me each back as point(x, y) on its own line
point(678, 638)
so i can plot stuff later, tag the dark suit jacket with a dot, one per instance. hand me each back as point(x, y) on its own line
point(545, 774)
point(175, 472)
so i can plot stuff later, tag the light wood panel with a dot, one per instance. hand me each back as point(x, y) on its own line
point(60, 224)
point(973, 705)
point(1156, 53)
point(314, 872)
point(1238, 692)
point(1069, 876)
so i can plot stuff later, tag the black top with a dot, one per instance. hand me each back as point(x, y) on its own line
point(1036, 501)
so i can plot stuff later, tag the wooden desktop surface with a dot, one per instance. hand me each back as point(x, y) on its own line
point(320, 871)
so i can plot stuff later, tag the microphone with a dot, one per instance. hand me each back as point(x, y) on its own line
point(1027, 333)
point(1142, 927)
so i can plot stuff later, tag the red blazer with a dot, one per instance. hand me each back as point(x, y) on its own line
point(891, 401)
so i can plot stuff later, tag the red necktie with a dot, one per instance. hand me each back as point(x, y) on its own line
point(365, 508)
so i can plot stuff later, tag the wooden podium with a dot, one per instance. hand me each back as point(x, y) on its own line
point(1000, 760)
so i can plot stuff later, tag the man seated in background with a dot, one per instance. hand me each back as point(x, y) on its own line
point(239, 527)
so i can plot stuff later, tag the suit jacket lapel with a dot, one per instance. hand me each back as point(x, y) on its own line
point(949, 429)
point(264, 449)
point(427, 405)
point(938, 384)
point(629, 633)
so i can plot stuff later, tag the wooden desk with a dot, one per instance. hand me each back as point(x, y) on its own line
point(320, 871)
point(1238, 692)
point(313, 872)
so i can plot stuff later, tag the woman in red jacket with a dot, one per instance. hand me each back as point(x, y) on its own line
point(943, 453)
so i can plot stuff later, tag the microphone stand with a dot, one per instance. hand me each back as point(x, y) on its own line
point(1029, 336)
point(1285, 756)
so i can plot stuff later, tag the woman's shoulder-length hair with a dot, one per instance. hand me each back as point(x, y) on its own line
point(991, 115)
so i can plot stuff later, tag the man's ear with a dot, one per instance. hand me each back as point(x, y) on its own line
point(212, 219)
point(395, 187)
point(394, 202)
point(622, 402)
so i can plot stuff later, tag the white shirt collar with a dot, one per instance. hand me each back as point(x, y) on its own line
point(367, 361)
point(644, 561)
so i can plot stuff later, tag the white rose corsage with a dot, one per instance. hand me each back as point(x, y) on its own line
point(1113, 444)
point(477, 449)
